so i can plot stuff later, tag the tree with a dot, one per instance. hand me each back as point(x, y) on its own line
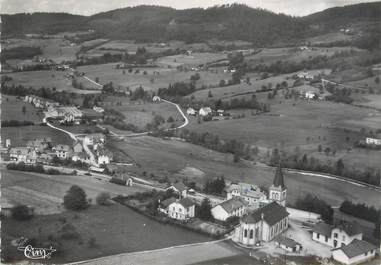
point(75, 199)
point(210, 94)
point(222, 83)
point(21, 213)
point(103, 198)
point(339, 167)
point(204, 212)
point(170, 119)
point(377, 80)
point(97, 80)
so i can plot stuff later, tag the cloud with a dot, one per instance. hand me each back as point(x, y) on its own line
point(89, 7)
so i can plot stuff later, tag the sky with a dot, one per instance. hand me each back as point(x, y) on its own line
point(89, 7)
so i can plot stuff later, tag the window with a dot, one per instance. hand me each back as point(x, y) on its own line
point(180, 210)
point(317, 235)
point(326, 239)
point(251, 233)
point(245, 234)
point(335, 235)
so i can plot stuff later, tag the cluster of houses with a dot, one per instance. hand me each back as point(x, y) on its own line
point(262, 218)
point(44, 151)
point(39, 102)
point(206, 111)
point(373, 140)
point(346, 241)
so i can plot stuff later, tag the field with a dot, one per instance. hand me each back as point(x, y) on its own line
point(50, 79)
point(373, 101)
point(11, 109)
point(141, 113)
point(20, 135)
point(169, 158)
point(329, 38)
point(149, 78)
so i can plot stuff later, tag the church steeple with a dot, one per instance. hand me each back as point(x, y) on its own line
point(278, 190)
point(279, 179)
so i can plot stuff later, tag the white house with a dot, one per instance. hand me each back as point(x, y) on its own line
point(77, 148)
point(233, 207)
point(164, 205)
point(356, 252)
point(94, 138)
point(156, 99)
point(248, 192)
point(62, 151)
point(310, 95)
point(205, 111)
point(305, 75)
point(288, 244)
point(179, 188)
point(182, 209)
point(264, 224)
point(336, 236)
point(373, 141)
point(191, 111)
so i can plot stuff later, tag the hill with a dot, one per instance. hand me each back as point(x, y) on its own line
point(236, 21)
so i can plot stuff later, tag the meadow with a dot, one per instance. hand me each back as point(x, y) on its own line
point(148, 78)
point(193, 59)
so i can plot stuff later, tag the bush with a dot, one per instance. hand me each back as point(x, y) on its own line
point(103, 198)
point(21, 213)
point(75, 199)
point(118, 181)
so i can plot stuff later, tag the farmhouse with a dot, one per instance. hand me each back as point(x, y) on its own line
point(205, 111)
point(191, 111)
point(182, 209)
point(233, 207)
point(163, 205)
point(356, 252)
point(336, 236)
point(305, 75)
point(288, 244)
point(310, 95)
point(77, 148)
point(39, 145)
point(23, 154)
point(62, 151)
point(248, 192)
point(98, 109)
point(373, 141)
point(156, 99)
point(94, 138)
point(264, 224)
point(179, 188)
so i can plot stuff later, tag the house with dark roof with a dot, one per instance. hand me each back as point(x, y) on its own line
point(358, 251)
point(288, 244)
point(179, 188)
point(337, 235)
point(264, 224)
point(163, 205)
point(234, 207)
point(182, 209)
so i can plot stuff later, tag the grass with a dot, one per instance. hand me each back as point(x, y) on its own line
point(194, 59)
point(11, 109)
point(330, 37)
point(20, 135)
point(116, 229)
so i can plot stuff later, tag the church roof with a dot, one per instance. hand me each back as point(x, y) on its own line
point(279, 178)
point(272, 213)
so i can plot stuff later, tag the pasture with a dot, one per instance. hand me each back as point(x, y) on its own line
point(193, 59)
point(368, 100)
point(11, 109)
point(329, 38)
point(148, 78)
point(50, 79)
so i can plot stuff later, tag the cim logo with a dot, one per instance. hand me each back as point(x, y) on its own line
point(37, 253)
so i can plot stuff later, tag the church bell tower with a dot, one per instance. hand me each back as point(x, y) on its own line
point(278, 191)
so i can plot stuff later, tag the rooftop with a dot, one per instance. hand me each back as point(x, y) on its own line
point(167, 202)
point(279, 178)
point(272, 213)
point(186, 202)
point(356, 248)
point(323, 229)
point(232, 204)
point(286, 241)
point(351, 228)
point(246, 189)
